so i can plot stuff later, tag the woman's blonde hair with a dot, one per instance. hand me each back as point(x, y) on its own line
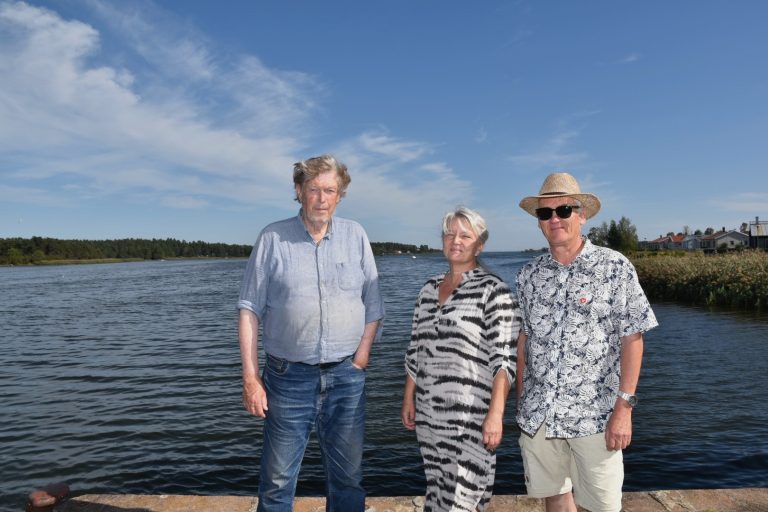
point(474, 219)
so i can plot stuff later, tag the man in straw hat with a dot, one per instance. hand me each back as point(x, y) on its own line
point(579, 355)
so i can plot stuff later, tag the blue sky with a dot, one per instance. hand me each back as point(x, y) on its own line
point(182, 119)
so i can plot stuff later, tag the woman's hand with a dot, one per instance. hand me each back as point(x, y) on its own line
point(408, 411)
point(408, 414)
point(492, 430)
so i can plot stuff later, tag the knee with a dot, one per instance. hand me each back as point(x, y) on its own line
point(560, 503)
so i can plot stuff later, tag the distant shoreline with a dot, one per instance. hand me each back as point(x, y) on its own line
point(52, 251)
point(101, 261)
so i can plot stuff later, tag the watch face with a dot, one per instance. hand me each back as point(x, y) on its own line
point(631, 399)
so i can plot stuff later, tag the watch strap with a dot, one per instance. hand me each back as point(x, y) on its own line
point(630, 399)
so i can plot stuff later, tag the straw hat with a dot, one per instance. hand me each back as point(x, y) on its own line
point(562, 184)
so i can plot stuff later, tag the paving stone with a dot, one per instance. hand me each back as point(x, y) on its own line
point(703, 500)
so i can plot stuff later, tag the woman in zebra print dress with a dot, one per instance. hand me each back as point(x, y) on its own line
point(460, 365)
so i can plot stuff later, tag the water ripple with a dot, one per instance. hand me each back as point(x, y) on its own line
point(125, 378)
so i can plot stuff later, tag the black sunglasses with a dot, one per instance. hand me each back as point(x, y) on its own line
point(563, 211)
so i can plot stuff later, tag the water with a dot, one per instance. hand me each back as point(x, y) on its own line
point(125, 378)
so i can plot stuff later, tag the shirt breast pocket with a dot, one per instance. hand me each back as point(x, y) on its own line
point(350, 276)
point(595, 309)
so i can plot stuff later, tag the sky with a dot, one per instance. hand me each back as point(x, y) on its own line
point(183, 118)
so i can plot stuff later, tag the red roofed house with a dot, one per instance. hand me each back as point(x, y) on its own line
point(730, 239)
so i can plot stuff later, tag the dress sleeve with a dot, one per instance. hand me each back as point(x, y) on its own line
point(411, 355)
point(502, 323)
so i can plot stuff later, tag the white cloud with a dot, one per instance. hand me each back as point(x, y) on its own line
point(749, 203)
point(388, 147)
point(552, 154)
point(632, 57)
point(177, 50)
point(184, 202)
point(31, 196)
point(396, 192)
point(185, 125)
point(117, 129)
point(557, 151)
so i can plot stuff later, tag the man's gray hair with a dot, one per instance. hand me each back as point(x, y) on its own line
point(311, 168)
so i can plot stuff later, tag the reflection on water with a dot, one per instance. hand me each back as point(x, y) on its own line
point(125, 378)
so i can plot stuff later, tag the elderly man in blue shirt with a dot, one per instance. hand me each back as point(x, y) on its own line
point(311, 284)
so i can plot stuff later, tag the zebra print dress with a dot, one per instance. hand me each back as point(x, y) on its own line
point(456, 350)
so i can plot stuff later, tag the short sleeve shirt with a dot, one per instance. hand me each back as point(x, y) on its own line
point(575, 316)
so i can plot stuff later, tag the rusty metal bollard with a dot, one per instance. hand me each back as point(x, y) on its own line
point(43, 500)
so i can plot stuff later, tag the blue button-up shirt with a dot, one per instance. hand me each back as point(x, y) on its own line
point(312, 300)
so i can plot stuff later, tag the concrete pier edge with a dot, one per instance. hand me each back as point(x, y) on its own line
point(697, 500)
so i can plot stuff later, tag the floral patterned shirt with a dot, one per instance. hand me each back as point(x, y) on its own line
point(575, 316)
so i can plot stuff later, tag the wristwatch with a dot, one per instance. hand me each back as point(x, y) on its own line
point(631, 399)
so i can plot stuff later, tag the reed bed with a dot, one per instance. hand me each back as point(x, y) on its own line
point(738, 280)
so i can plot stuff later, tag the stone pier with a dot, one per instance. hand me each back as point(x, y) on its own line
point(703, 500)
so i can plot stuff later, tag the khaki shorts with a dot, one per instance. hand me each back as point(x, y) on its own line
point(582, 465)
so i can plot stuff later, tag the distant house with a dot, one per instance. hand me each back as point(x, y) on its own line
point(691, 243)
point(731, 239)
point(676, 242)
point(659, 244)
point(663, 243)
point(758, 234)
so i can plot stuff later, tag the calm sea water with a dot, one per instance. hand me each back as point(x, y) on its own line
point(125, 378)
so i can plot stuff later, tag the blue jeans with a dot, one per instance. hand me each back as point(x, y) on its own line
point(330, 399)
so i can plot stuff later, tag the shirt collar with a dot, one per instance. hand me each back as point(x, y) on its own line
point(584, 254)
point(328, 232)
point(464, 275)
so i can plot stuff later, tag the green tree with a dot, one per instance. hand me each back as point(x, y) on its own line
point(625, 237)
point(621, 236)
point(598, 235)
point(15, 256)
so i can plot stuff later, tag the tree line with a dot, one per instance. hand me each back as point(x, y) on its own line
point(380, 248)
point(19, 251)
point(23, 251)
point(622, 235)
